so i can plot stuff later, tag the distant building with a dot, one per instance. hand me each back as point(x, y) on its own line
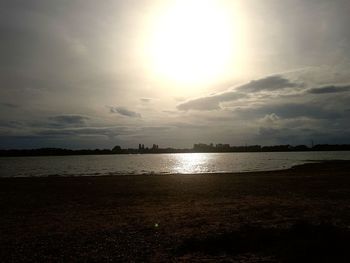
point(155, 147)
point(202, 147)
point(221, 146)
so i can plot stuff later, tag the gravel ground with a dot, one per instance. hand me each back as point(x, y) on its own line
point(296, 215)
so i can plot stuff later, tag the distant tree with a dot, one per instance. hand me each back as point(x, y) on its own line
point(300, 148)
point(117, 148)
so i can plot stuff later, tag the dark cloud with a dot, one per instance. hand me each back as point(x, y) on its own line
point(69, 119)
point(70, 142)
point(87, 131)
point(151, 129)
point(297, 135)
point(268, 132)
point(10, 124)
point(9, 105)
point(212, 102)
point(294, 136)
point(109, 132)
point(270, 83)
point(329, 89)
point(289, 111)
point(125, 112)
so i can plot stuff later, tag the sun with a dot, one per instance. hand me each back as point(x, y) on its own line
point(192, 42)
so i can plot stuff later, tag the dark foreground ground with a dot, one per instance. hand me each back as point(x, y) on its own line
point(297, 215)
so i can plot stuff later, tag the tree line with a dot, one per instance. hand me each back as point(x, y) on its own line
point(197, 148)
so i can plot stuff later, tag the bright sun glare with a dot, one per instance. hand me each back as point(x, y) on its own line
point(192, 42)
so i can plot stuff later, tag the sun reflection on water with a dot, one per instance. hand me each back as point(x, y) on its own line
point(192, 163)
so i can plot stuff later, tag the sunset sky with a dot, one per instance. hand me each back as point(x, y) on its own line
point(94, 74)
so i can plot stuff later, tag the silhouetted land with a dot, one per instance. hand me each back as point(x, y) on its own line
point(296, 215)
point(197, 148)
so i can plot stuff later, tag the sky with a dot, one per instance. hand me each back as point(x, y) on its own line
point(95, 74)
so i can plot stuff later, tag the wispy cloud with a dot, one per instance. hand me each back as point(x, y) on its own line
point(146, 100)
point(212, 102)
point(329, 89)
point(9, 105)
point(125, 112)
point(270, 83)
point(88, 131)
point(289, 110)
point(69, 119)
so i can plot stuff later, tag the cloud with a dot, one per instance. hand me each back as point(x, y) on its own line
point(9, 105)
point(329, 89)
point(289, 111)
point(69, 119)
point(10, 124)
point(212, 102)
point(87, 137)
point(271, 132)
point(87, 131)
point(125, 112)
point(172, 112)
point(269, 135)
point(270, 119)
point(270, 83)
point(146, 100)
point(298, 135)
point(153, 128)
point(186, 125)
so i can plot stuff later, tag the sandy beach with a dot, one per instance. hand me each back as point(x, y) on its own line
point(296, 215)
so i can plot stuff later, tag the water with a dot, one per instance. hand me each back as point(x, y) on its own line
point(97, 165)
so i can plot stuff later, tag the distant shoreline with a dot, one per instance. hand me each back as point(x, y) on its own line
point(198, 148)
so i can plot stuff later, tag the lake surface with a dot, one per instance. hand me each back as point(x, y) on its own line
point(187, 163)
